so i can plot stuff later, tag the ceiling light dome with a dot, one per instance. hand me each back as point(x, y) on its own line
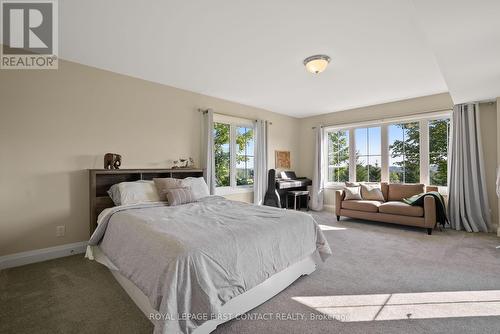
point(317, 63)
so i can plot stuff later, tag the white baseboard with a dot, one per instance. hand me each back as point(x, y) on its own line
point(39, 255)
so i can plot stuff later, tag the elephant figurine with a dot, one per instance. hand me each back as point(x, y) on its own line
point(112, 161)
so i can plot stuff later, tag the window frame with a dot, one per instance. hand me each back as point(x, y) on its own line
point(327, 167)
point(384, 124)
point(442, 189)
point(234, 128)
point(368, 155)
point(423, 150)
point(234, 122)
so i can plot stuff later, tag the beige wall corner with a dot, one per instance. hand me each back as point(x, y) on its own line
point(488, 123)
point(498, 160)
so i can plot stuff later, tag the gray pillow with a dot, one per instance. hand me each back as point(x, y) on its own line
point(164, 184)
point(177, 196)
point(352, 193)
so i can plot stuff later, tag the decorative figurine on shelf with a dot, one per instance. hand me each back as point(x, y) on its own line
point(183, 163)
point(112, 161)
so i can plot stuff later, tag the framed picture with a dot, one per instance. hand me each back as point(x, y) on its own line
point(282, 159)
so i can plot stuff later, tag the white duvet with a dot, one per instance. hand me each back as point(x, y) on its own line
point(191, 259)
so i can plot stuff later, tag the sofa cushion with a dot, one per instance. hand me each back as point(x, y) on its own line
point(372, 192)
point(398, 191)
point(401, 208)
point(352, 193)
point(361, 205)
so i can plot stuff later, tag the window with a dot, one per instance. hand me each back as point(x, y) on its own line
point(234, 152)
point(338, 156)
point(439, 136)
point(397, 151)
point(404, 152)
point(368, 154)
point(244, 156)
point(222, 152)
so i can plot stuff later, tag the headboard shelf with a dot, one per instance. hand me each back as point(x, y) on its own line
point(100, 180)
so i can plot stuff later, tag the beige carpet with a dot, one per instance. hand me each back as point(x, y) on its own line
point(385, 268)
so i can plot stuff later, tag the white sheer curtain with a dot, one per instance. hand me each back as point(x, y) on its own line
point(316, 203)
point(468, 200)
point(260, 162)
point(208, 157)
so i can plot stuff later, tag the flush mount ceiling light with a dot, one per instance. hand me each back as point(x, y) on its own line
point(317, 63)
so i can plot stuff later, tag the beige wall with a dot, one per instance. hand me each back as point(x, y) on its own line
point(488, 123)
point(56, 124)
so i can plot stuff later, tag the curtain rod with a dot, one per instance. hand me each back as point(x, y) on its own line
point(204, 111)
point(382, 119)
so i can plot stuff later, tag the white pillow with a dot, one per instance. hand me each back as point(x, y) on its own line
point(114, 194)
point(352, 193)
point(198, 186)
point(138, 192)
point(372, 192)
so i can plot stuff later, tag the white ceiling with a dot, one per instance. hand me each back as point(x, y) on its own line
point(465, 38)
point(251, 51)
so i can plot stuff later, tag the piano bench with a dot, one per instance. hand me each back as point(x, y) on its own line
point(297, 194)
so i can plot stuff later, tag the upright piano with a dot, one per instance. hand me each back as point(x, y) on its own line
point(278, 185)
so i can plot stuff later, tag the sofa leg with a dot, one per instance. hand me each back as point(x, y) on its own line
point(429, 231)
point(338, 218)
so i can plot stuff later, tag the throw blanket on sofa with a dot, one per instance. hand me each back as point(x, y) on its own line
point(418, 200)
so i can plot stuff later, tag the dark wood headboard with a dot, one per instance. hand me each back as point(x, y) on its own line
point(100, 180)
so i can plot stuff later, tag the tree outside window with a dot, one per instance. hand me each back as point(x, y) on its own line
point(222, 152)
point(368, 154)
point(244, 156)
point(233, 144)
point(405, 156)
point(404, 148)
point(439, 135)
point(338, 156)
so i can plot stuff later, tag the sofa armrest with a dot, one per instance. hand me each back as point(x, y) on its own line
point(430, 211)
point(339, 197)
point(431, 188)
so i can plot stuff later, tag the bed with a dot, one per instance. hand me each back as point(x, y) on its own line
point(194, 266)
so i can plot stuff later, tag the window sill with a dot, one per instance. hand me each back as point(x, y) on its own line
point(221, 191)
point(334, 186)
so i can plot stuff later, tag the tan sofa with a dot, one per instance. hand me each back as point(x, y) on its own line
point(393, 209)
